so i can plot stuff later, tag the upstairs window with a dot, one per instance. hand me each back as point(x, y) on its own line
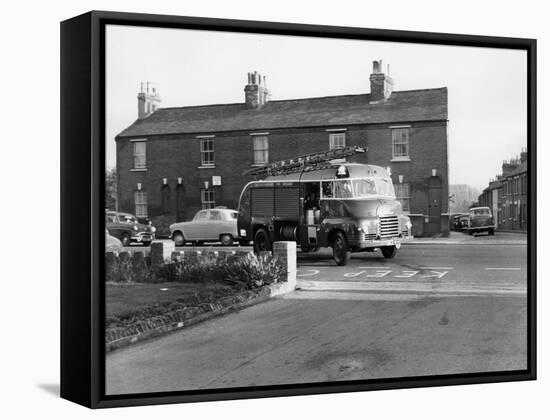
point(400, 143)
point(207, 152)
point(140, 160)
point(337, 141)
point(261, 150)
point(403, 195)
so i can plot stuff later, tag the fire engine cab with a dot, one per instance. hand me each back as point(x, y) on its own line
point(320, 200)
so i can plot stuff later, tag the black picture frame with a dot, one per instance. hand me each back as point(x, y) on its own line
point(82, 206)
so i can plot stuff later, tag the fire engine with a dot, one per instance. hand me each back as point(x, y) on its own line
point(321, 200)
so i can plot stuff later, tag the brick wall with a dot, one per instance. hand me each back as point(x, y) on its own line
point(178, 156)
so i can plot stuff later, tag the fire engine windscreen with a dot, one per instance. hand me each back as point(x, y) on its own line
point(377, 187)
point(358, 188)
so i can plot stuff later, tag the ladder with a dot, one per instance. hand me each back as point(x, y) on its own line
point(306, 162)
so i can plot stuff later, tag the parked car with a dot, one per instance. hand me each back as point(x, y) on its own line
point(457, 221)
point(127, 229)
point(463, 223)
point(112, 244)
point(480, 219)
point(208, 225)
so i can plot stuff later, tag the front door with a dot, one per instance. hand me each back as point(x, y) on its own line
point(434, 206)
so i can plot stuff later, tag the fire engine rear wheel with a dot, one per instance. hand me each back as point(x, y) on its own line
point(340, 250)
point(261, 241)
point(388, 251)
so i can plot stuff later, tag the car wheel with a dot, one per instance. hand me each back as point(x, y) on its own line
point(262, 242)
point(178, 238)
point(388, 251)
point(491, 232)
point(146, 243)
point(340, 250)
point(470, 232)
point(226, 240)
point(125, 239)
point(305, 248)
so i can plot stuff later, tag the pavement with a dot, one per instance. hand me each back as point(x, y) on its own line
point(430, 310)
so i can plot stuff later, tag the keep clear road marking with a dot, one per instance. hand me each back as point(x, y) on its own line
point(405, 274)
point(502, 268)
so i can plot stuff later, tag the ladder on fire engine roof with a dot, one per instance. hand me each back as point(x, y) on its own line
point(311, 161)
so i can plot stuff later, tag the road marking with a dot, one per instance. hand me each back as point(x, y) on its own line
point(410, 274)
point(436, 275)
point(311, 273)
point(354, 274)
point(436, 268)
point(379, 274)
point(502, 268)
point(377, 268)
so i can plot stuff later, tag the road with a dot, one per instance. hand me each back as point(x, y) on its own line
point(431, 310)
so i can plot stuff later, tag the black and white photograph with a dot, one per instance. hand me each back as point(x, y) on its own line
point(285, 210)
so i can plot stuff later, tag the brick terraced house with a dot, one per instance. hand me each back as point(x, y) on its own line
point(507, 195)
point(175, 161)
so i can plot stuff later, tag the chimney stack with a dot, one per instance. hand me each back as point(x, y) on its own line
point(381, 85)
point(148, 100)
point(256, 93)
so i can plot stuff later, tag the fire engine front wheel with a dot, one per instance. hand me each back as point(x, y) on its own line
point(388, 251)
point(261, 241)
point(340, 250)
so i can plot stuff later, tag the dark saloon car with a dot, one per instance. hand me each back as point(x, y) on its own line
point(458, 221)
point(480, 219)
point(127, 229)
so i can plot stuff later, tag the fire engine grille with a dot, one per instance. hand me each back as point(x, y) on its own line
point(368, 236)
point(389, 226)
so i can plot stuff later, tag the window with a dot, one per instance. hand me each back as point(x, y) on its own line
point(215, 215)
point(261, 150)
point(140, 161)
point(403, 194)
point(337, 141)
point(207, 199)
point(140, 198)
point(400, 143)
point(207, 152)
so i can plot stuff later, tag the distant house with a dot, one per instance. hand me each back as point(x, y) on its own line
point(507, 195)
point(175, 161)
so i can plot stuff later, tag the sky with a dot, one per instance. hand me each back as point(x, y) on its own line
point(487, 87)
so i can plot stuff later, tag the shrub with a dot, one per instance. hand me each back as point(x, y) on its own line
point(244, 271)
point(253, 271)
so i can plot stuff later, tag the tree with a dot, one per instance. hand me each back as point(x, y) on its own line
point(110, 189)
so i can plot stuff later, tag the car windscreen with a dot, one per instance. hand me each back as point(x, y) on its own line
point(233, 215)
point(481, 212)
point(128, 219)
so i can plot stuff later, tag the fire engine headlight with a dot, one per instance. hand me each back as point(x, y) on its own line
point(136, 228)
point(369, 226)
point(242, 232)
point(409, 224)
point(153, 229)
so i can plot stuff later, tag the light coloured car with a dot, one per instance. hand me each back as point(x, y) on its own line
point(210, 225)
point(112, 244)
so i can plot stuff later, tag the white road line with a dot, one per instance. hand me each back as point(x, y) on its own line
point(378, 268)
point(436, 268)
point(503, 268)
point(311, 273)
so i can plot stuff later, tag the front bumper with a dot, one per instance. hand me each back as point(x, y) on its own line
point(482, 227)
point(377, 243)
point(143, 237)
